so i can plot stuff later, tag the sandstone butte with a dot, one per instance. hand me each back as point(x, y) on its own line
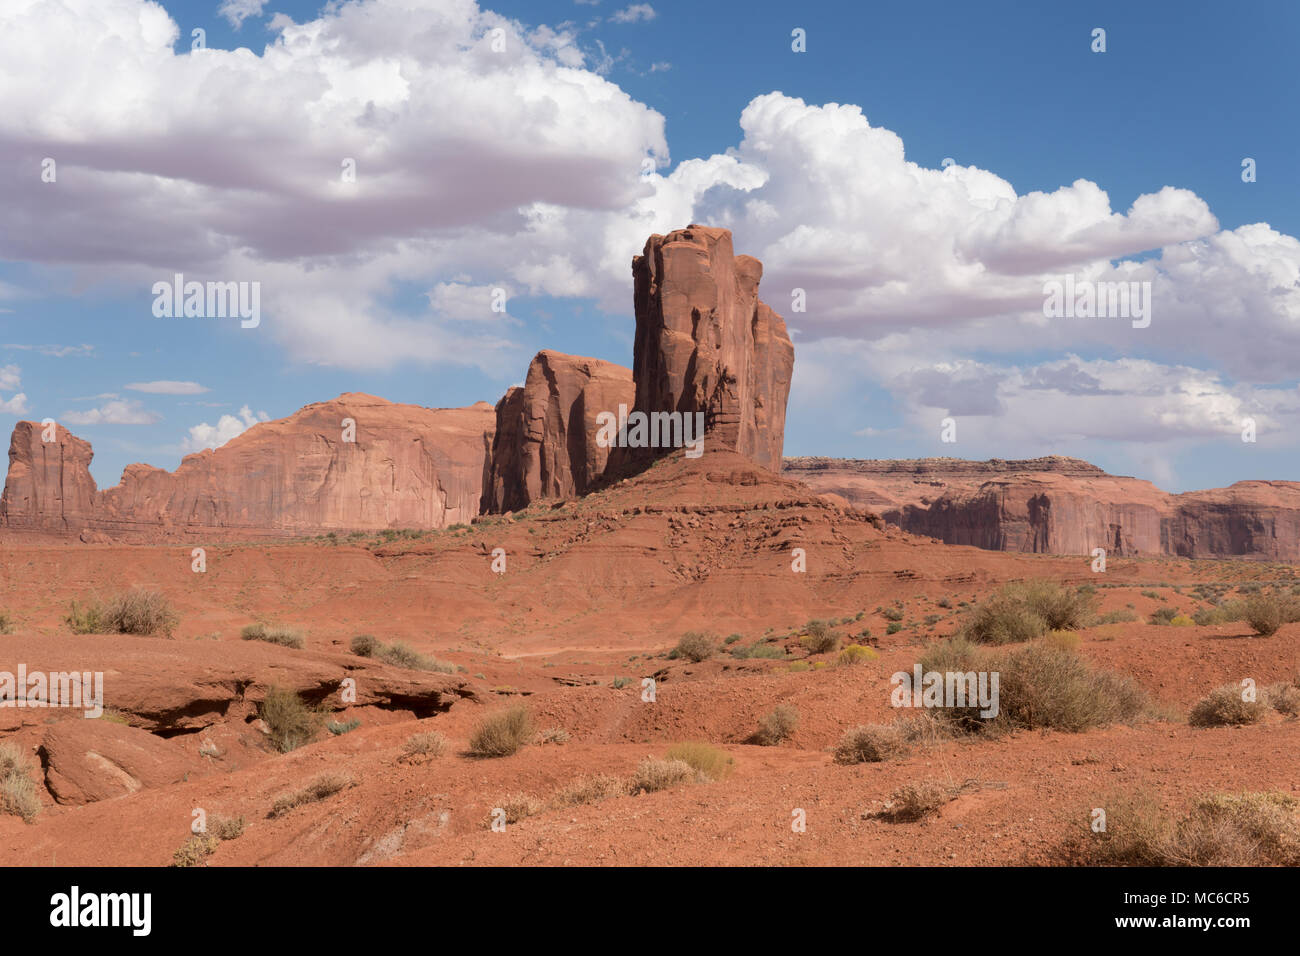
point(1058, 505)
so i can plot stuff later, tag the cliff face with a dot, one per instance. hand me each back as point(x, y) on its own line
point(545, 444)
point(408, 467)
point(704, 342)
point(1063, 506)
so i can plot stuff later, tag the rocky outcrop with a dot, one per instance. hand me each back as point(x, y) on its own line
point(1063, 506)
point(395, 466)
point(89, 760)
point(545, 443)
point(706, 343)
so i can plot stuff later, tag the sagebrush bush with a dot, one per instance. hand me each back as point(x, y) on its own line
point(364, 645)
point(291, 721)
point(272, 634)
point(501, 734)
point(695, 646)
point(871, 743)
point(139, 611)
point(778, 725)
point(1022, 612)
point(1045, 687)
point(1265, 613)
point(653, 774)
point(428, 744)
point(713, 762)
point(820, 639)
point(1225, 706)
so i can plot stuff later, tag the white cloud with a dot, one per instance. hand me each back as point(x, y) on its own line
point(237, 11)
point(203, 435)
point(55, 351)
point(459, 302)
point(634, 13)
point(167, 388)
point(120, 412)
point(10, 378)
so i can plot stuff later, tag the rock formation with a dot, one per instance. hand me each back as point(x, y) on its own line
point(408, 467)
point(545, 443)
point(704, 342)
point(1063, 506)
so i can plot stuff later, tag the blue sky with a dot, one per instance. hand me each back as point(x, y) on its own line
point(168, 165)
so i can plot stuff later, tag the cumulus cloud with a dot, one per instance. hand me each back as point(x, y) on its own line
point(237, 11)
point(167, 388)
point(634, 13)
point(117, 412)
point(460, 302)
point(203, 435)
point(10, 378)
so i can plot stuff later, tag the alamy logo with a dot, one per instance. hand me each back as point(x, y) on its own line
point(103, 909)
point(210, 300)
point(1086, 299)
point(946, 689)
point(651, 430)
point(53, 689)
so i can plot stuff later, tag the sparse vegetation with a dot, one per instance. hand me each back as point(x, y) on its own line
point(291, 721)
point(590, 789)
point(695, 647)
point(324, 786)
point(400, 655)
point(712, 762)
point(915, 801)
point(1265, 613)
point(364, 645)
point(133, 612)
point(1225, 706)
point(17, 792)
point(339, 728)
point(196, 850)
point(501, 734)
point(226, 828)
point(428, 744)
point(6, 623)
point(514, 807)
point(856, 654)
point(871, 743)
point(553, 735)
point(778, 725)
point(1023, 612)
point(819, 638)
point(272, 634)
point(653, 774)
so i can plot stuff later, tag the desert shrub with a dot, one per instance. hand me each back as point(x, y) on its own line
point(915, 801)
point(428, 744)
point(291, 721)
point(17, 792)
point(710, 761)
point(893, 628)
point(326, 785)
point(1223, 707)
point(759, 650)
point(652, 774)
point(871, 743)
point(892, 614)
point(820, 639)
point(1265, 613)
point(364, 645)
point(1023, 612)
point(226, 828)
point(196, 850)
point(1285, 698)
point(856, 654)
point(1043, 686)
point(778, 725)
point(1182, 620)
point(272, 634)
point(501, 734)
point(133, 612)
point(400, 655)
point(590, 789)
point(695, 646)
point(6, 623)
point(553, 735)
point(1243, 829)
point(733, 638)
point(1121, 616)
point(514, 807)
point(1225, 613)
point(339, 728)
point(798, 667)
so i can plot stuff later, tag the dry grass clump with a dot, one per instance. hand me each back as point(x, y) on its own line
point(1285, 698)
point(713, 762)
point(1044, 687)
point(17, 792)
point(1022, 612)
point(196, 850)
point(915, 801)
point(6, 623)
point(501, 734)
point(272, 634)
point(400, 655)
point(132, 612)
point(819, 638)
point(1224, 706)
point(515, 807)
point(1242, 829)
point(856, 654)
point(226, 828)
point(695, 647)
point(326, 785)
point(777, 726)
point(653, 774)
point(365, 645)
point(553, 735)
point(291, 721)
point(591, 788)
point(428, 744)
point(871, 743)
